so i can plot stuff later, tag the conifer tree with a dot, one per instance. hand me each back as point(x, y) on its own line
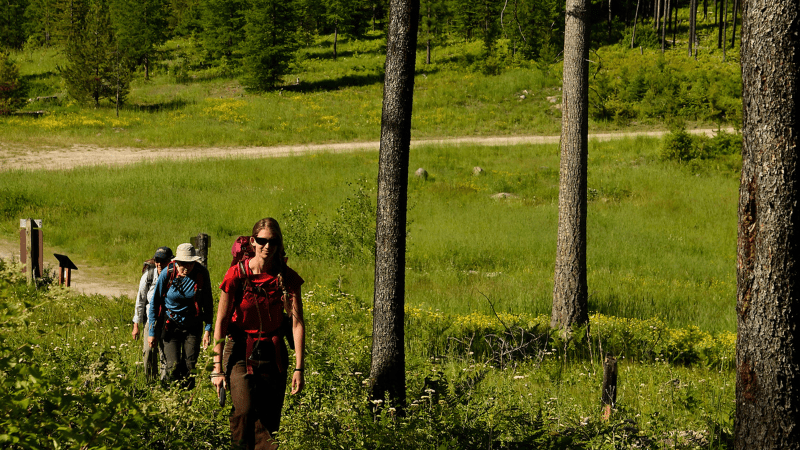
point(223, 28)
point(270, 44)
point(12, 27)
point(41, 17)
point(12, 89)
point(91, 72)
point(140, 26)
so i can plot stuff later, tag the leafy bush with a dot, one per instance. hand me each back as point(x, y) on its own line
point(12, 89)
point(680, 146)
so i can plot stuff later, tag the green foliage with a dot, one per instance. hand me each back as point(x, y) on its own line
point(223, 28)
point(12, 27)
point(42, 20)
point(140, 26)
point(680, 146)
point(270, 44)
point(627, 87)
point(13, 91)
point(96, 68)
point(347, 237)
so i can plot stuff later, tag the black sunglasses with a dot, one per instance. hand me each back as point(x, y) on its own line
point(264, 241)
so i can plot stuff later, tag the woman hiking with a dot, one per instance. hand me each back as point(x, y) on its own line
point(151, 358)
point(255, 363)
point(181, 304)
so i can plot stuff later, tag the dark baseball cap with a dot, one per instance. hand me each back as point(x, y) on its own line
point(164, 253)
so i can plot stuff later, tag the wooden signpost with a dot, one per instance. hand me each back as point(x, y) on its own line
point(201, 244)
point(65, 268)
point(31, 245)
point(609, 389)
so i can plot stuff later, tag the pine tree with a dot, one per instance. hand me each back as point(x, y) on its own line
point(92, 71)
point(13, 33)
point(270, 44)
point(223, 28)
point(12, 89)
point(140, 26)
point(41, 17)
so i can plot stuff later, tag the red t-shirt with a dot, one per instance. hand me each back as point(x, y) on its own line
point(261, 305)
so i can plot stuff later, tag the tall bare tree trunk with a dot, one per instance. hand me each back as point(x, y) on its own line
point(735, 12)
point(720, 19)
point(335, 38)
point(570, 291)
point(388, 370)
point(664, 26)
point(657, 14)
point(724, 29)
point(692, 24)
point(635, 18)
point(768, 253)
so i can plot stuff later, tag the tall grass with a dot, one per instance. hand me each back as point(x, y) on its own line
point(661, 235)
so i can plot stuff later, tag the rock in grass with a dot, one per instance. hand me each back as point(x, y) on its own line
point(421, 173)
point(502, 195)
point(477, 170)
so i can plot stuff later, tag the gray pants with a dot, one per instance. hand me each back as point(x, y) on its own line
point(154, 360)
point(181, 348)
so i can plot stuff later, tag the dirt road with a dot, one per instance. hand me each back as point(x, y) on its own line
point(14, 157)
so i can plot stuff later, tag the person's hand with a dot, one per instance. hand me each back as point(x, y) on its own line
point(151, 341)
point(135, 332)
point(206, 339)
point(218, 380)
point(298, 381)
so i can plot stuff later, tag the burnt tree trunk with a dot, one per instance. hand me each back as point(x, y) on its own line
point(388, 371)
point(768, 250)
point(570, 292)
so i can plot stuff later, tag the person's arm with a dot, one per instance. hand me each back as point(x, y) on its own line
point(207, 302)
point(141, 303)
point(295, 309)
point(224, 311)
point(155, 306)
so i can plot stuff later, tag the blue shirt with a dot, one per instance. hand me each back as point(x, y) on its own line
point(179, 301)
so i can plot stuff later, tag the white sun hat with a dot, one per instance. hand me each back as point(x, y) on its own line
point(186, 253)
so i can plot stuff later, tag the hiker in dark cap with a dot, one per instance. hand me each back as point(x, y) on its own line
point(255, 362)
point(182, 302)
point(152, 269)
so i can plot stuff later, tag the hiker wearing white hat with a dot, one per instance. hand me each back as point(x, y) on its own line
point(182, 303)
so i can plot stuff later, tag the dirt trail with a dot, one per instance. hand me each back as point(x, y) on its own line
point(101, 280)
point(87, 279)
point(14, 157)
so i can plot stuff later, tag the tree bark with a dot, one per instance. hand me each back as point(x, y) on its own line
point(664, 26)
point(335, 38)
point(635, 18)
point(724, 29)
point(387, 372)
point(768, 248)
point(735, 11)
point(570, 291)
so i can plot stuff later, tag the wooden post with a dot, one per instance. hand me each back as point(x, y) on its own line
point(609, 385)
point(201, 244)
point(31, 245)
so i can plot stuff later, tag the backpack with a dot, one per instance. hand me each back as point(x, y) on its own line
point(172, 271)
point(148, 268)
point(242, 251)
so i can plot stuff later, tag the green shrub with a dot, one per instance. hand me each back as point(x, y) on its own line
point(12, 89)
point(678, 145)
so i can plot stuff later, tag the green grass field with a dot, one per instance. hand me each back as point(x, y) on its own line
point(661, 236)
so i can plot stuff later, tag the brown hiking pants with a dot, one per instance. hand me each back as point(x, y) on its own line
point(257, 398)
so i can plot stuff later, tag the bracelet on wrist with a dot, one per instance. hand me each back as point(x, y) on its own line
point(298, 370)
